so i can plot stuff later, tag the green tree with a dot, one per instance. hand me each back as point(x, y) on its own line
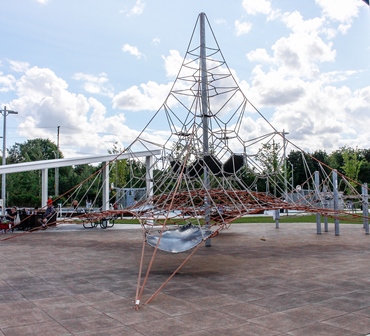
point(119, 170)
point(33, 150)
point(82, 183)
point(352, 163)
point(137, 173)
point(295, 167)
point(336, 160)
point(320, 157)
point(302, 165)
point(24, 189)
point(270, 159)
point(364, 174)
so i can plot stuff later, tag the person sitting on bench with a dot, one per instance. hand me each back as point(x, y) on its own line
point(11, 215)
point(48, 214)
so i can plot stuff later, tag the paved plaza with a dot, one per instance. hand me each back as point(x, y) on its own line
point(254, 280)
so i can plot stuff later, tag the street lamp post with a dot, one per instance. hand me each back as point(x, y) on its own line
point(4, 112)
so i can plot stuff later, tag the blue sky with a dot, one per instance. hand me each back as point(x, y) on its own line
point(100, 69)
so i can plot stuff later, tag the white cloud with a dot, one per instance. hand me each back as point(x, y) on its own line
point(307, 102)
point(343, 28)
point(7, 83)
point(95, 84)
point(220, 21)
point(288, 79)
point(132, 50)
point(44, 103)
point(340, 10)
point(336, 76)
point(253, 7)
point(42, 2)
point(18, 66)
point(242, 28)
point(138, 9)
point(274, 89)
point(148, 96)
point(321, 118)
point(300, 52)
point(258, 55)
point(297, 24)
point(172, 63)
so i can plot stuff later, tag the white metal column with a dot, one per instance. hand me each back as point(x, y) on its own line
point(317, 193)
point(149, 175)
point(365, 207)
point(105, 205)
point(44, 187)
point(336, 202)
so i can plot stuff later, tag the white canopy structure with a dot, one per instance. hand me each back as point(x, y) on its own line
point(44, 165)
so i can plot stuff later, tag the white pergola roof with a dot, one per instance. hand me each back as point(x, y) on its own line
point(44, 165)
point(55, 163)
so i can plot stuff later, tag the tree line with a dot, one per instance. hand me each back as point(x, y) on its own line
point(351, 162)
point(298, 168)
point(24, 188)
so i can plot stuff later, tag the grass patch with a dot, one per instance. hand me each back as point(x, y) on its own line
point(127, 221)
point(283, 219)
point(268, 219)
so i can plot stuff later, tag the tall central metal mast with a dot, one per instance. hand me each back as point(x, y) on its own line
point(203, 70)
point(205, 116)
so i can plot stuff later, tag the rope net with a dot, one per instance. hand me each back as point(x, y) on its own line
point(206, 175)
